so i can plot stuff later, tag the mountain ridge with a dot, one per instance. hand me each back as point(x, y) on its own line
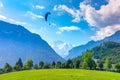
point(78, 50)
point(16, 41)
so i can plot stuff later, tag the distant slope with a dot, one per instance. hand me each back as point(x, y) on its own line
point(77, 51)
point(61, 74)
point(107, 49)
point(16, 41)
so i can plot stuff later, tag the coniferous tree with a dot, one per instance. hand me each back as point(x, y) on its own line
point(58, 64)
point(53, 64)
point(68, 64)
point(7, 68)
point(41, 64)
point(19, 65)
point(77, 64)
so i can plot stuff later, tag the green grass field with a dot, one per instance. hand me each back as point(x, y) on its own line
point(60, 74)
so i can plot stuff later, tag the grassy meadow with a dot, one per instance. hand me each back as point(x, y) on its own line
point(60, 74)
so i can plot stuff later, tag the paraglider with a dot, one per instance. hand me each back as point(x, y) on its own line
point(46, 16)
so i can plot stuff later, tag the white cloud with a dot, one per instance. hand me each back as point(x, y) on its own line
point(33, 16)
point(38, 7)
point(2, 17)
point(107, 31)
point(18, 22)
point(53, 24)
point(68, 28)
point(76, 14)
point(5, 18)
point(106, 19)
point(107, 15)
point(1, 4)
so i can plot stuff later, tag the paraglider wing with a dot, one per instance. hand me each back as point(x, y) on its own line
point(46, 15)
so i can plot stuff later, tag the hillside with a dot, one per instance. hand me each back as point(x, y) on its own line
point(61, 74)
point(16, 41)
point(77, 51)
point(107, 49)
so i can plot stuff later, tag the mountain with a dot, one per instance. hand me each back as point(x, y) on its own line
point(115, 37)
point(61, 48)
point(16, 41)
point(77, 51)
point(107, 49)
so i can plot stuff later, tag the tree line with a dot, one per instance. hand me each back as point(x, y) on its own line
point(86, 63)
point(29, 65)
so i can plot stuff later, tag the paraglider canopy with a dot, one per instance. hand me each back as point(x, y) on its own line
point(46, 15)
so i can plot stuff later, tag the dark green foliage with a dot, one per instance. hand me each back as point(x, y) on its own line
point(58, 64)
point(63, 65)
point(117, 66)
point(36, 66)
point(68, 64)
point(93, 64)
point(29, 64)
point(19, 65)
point(17, 68)
point(46, 66)
point(100, 65)
point(41, 64)
point(108, 49)
point(7, 68)
point(76, 64)
point(53, 64)
point(19, 62)
point(1, 71)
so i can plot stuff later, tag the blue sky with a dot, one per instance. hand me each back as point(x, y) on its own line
point(72, 21)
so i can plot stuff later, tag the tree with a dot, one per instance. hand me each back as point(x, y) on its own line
point(46, 66)
point(19, 65)
point(88, 63)
point(107, 64)
point(53, 64)
point(36, 66)
point(1, 71)
point(68, 64)
point(100, 65)
point(7, 68)
point(41, 64)
point(76, 63)
point(58, 64)
point(93, 64)
point(63, 65)
point(28, 64)
point(117, 66)
point(17, 68)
